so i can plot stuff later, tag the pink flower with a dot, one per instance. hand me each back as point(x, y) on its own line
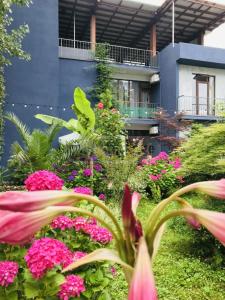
point(98, 234)
point(155, 177)
point(144, 162)
point(142, 285)
point(162, 156)
point(100, 105)
point(78, 255)
point(163, 171)
point(8, 272)
point(102, 197)
point(214, 188)
point(62, 222)
point(113, 271)
point(72, 287)
point(43, 180)
point(83, 190)
point(87, 172)
point(79, 223)
point(45, 254)
point(176, 163)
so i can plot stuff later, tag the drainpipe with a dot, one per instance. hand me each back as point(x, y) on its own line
point(173, 21)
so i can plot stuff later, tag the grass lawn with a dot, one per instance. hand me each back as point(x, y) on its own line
point(180, 275)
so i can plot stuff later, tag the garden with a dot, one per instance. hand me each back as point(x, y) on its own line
point(98, 218)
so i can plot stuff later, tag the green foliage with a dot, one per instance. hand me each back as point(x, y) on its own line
point(110, 127)
point(203, 153)
point(118, 169)
point(103, 87)
point(85, 122)
point(10, 46)
point(35, 151)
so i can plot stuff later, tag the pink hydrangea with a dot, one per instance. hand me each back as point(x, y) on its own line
point(98, 234)
point(144, 162)
point(163, 171)
point(87, 172)
point(155, 177)
point(78, 255)
point(72, 287)
point(43, 180)
point(162, 156)
point(45, 254)
point(8, 272)
point(83, 190)
point(176, 163)
point(79, 223)
point(102, 197)
point(62, 222)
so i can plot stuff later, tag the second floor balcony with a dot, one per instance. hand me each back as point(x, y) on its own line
point(137, 110)
point(82, 50)
point(201, 107)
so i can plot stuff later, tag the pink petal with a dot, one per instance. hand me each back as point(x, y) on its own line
point(31, 201)
point(136, 197)
point(142, 284)
point(214, 188)
point(20, 227)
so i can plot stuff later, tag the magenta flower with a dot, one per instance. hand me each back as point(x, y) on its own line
point(163, 171)
point(72, 287)
point(102, 197)
point(155, 177)
point(98, 167)
point(62, 222)
point(176, 163)
point(87, 172)
point(83, 190)
point(45, 254)
point(78, 255)
point(79, 223)
point(98, 234)
point(8, 272)
point(142, 284)
point(144, 162)
point(43, 180)
point(162, 156)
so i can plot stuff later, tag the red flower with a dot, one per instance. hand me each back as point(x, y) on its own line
point(100, 105)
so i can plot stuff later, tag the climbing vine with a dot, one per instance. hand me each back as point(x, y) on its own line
point(10, 46)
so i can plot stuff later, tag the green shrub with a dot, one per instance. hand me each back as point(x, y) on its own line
point(203, 154)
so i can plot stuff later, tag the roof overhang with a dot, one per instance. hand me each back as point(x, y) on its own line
point(127, 23)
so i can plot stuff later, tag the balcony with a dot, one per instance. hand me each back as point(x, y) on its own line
point(202, 108)
point(83, 50)
point(138, 110)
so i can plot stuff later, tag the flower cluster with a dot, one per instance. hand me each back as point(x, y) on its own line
point(83, 190)
point(62, 222)
point(87, 172)
point(45, 254)
point(8, 272)
point(98, 167)
point(72, 287)
point(102, 197)
point(90, 227)
point(78, 255)
point(43, 180)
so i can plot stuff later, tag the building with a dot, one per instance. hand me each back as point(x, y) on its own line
point(157, 55)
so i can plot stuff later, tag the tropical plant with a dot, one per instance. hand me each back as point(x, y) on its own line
point(10, 46)
point(85, 123)
point(203, 154)
point(34, 153)
point(135, 246)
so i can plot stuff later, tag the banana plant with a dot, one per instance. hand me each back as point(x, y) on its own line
point(22, 214)
point(85, 122)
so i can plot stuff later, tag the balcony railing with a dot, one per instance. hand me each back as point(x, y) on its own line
point(114, 54)
point(138, 110)
point(199, 106)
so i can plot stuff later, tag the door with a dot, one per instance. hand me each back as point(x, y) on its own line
point(202, 96)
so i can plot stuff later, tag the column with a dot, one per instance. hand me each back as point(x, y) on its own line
point(93, 32)
point(153, 39)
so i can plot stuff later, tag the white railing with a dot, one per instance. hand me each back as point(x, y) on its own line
point(114, 54)
point(200, 106)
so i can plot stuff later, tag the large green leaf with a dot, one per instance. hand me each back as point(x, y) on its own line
point(99, 255)
point(50, 120)
point(83, 110)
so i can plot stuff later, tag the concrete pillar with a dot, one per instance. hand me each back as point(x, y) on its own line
point(93, 32)
point(200, 38)
point(153, 39)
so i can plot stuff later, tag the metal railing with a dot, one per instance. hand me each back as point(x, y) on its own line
point(199, 106)
point(137, 110)
point(114, 54)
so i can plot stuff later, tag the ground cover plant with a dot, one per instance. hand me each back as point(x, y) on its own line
point(136, 246)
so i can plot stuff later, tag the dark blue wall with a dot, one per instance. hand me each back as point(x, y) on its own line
point(34, 82)
point(155, 93)
point(169, 77)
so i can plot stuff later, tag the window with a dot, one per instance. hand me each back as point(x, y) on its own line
point(204, 94)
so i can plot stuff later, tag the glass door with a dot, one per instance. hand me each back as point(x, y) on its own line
point(202, 96)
